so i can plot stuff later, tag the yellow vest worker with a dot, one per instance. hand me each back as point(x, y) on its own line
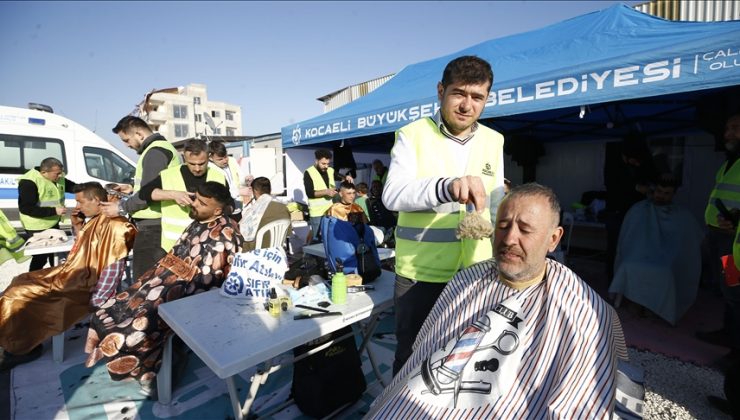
point(176, 218)
point(426, 246)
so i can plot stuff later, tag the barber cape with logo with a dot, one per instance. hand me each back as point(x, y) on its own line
point(479, 366)
point(254, 273)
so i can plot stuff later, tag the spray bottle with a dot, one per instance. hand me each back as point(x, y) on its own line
point(339, 285)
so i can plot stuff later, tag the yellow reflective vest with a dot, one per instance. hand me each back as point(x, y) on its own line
point(175, 218)
point(153, 210)
point(726, 188)
point(318, 206)
point(426, 246)
point(50, 195)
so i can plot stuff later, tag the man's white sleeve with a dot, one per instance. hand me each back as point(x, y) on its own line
point(403, 191)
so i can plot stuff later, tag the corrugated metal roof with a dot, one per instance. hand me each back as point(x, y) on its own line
point(693, 10)
point(344, 96)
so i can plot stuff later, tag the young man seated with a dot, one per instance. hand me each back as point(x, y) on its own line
point(346, 209)
point(44, 303)
point(127, 328)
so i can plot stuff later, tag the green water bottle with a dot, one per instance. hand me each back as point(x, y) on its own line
point(339, 285)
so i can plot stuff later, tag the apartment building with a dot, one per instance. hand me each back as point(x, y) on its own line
point(185, 112)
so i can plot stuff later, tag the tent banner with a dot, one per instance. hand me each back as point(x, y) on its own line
point(614, 55)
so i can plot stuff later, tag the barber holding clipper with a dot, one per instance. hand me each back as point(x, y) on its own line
point(721, 217)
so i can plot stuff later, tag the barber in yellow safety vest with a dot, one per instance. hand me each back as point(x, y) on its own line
point(155, 155)
point(721, 232)
point(175, 190)
point(440, 165)
point(319, 182)
point(41, 202)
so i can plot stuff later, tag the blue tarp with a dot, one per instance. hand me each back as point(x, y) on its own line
point(612, 55)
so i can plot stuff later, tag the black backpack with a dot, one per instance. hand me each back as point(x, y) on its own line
point(329, 379)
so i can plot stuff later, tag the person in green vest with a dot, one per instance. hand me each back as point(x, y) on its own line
point(10, 242)
point(156, 154)
point(381, 171)
point(174, 190)
point(319, 182)
point(361, 199)
point(41, 202)
point(719, 240)
point(441, 165)
point(222, 161)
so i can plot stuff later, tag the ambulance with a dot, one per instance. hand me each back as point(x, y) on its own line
point(28, 136)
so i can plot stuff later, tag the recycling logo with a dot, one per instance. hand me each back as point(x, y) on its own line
point(233, 285)
point(296, 135)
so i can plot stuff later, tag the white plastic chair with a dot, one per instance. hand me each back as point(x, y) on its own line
point(278, 233)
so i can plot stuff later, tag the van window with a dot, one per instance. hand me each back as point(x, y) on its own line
point(108, 166)
point(18, 154)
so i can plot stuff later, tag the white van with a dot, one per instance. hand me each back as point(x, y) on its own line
point(28, 136)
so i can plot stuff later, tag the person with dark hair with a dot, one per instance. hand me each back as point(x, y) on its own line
point(41, 202)
point(381, 171)
point(263, 210)
point(174, 190)
point(441, 164)
point(127, 328)
point(155, 155)
point(44, 303)
point(361, 198)
point(232, 172)
point(512, 337)
point(346, 209)
point(379, 215)
point(319, 183)
point(658, 261)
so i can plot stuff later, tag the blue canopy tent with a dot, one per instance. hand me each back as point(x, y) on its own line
point(599, 75)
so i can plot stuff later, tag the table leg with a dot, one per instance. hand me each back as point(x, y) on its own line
point(235, 404)
point(367, 332)
point(164, 377)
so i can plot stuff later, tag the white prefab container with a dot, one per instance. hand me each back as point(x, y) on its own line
point(29, 136)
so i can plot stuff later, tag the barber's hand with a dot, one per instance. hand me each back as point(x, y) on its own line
point(109, 209)
point(349, 178)
point(331, 192)
point(183, 198)
point(727, 225)
point(60, 211)
point(469, 189)
point(124, 188)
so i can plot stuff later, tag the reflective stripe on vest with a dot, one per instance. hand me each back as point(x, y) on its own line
point(318, 206)
point(175, 218)
point(726, 188)
point(50, 195)
point(426, 246)
point(153, 210)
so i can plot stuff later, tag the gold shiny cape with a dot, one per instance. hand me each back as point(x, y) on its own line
point(43, 303)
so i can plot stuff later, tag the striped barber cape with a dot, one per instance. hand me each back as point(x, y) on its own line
point(490, 351)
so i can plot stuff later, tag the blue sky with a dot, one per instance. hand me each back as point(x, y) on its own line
point(94, 61)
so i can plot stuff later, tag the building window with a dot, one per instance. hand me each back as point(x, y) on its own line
point(218, 131)
point(230, 115)
point(181, 130)
point(230, 131)
point(215, 114)
point(180, 111)
point(198, 118)
point(196, 100)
